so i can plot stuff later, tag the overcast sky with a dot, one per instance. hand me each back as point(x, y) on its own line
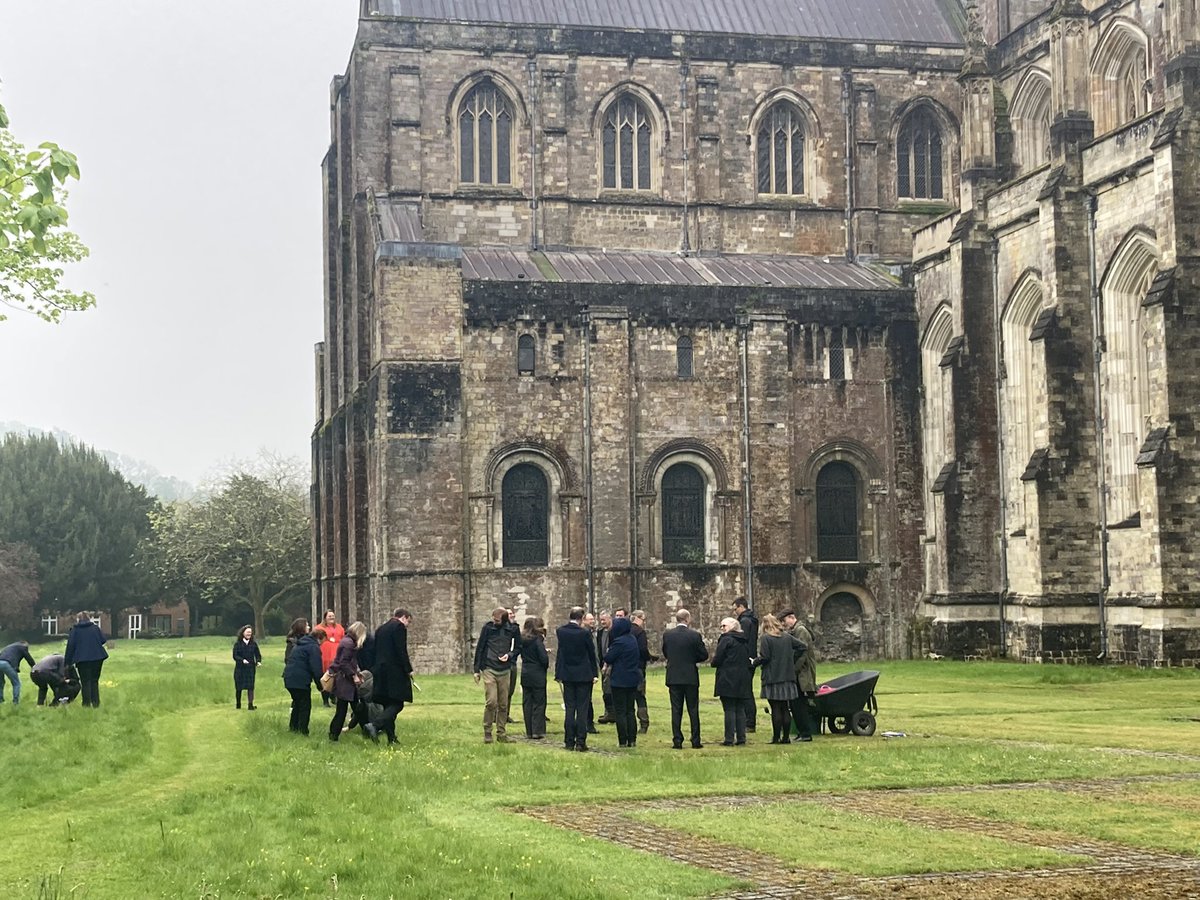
point(200, 128)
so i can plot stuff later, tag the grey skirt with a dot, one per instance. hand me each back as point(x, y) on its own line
point(780, 690)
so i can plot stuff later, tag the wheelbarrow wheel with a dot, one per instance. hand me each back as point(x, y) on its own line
point(838, 725)
point(862, 723)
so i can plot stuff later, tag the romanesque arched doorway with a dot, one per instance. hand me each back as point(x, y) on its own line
point(842, 626)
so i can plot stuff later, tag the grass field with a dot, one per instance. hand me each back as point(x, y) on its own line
point(167, 791)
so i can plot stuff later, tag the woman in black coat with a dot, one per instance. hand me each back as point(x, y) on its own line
point(777, 654)
point(246, 660)
point(535, 662)
point(623, 659)
point(300, 672)
point(85, 651)
point(733, 685)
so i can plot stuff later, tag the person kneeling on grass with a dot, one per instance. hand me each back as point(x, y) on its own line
point(302, 669)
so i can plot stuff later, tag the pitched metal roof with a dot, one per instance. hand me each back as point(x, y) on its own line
point(400, 224)
point(645, 267)
point(916, 21)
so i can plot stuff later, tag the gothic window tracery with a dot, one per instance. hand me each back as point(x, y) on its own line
point(780, 145)
point(919, 162)
point(1125, 373)
point(1030, 113)
point(485, 136)
point(1020, 392)
point(1120, 77)
point(626, 145)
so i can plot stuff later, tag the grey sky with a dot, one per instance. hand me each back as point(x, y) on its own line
point(200, 129)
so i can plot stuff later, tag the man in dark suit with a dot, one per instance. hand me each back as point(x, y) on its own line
point(683, 649)
point(576, 669)
point(392, 673)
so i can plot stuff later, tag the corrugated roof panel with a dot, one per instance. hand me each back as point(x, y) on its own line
point(915, 21)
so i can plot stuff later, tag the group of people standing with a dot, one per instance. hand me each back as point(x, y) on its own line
point(368, 676)
point(76, 670)
point(616, 655)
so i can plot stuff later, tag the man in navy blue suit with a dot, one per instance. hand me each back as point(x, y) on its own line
point(576, 669)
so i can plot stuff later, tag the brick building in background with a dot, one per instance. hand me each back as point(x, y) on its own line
point(618, 313)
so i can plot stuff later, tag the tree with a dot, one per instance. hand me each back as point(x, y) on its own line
point(34, 241)
point(249, 540)
point(18, 588)
point(85, 522)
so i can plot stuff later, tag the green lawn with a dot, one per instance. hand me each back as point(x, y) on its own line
point(167, 791)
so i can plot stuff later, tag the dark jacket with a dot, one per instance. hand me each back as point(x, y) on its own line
point(53, 670)
point(344, 669)
point(806, 665)
point(303, 666)
point(246, 652)
point(777, 656)
point(13, 654)
point(495, 641)
point(85, 643)
point(576, 659)
point(732, 661)
point(749, 622)
point(644, 656)
point(535, 663)
point(392, 665)
point(623, 657)
point(683, 648)
point(290, 647)
point(514, 634)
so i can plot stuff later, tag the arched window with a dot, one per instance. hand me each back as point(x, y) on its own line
point(1030, 113)
point(837, 513)
point(935, 381)
point(525, 497)
point(779, 145)
point(683, 514)
point(1125, 371)
point(1120, 77)
point(919, 157)
point(525, 354)
point(683, 357)
point(626, 144)
point(485, 136)
point(1020, 393)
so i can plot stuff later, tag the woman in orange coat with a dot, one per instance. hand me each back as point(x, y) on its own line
point(328, 653)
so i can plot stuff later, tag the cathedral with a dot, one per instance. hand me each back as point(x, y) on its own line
point(877, 309)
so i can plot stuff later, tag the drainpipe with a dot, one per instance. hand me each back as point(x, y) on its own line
point(468, 635)
point(1097, 375)
point(588, 547)
point(531, 68)
point(635, 586)
point(743, 324)
point(848, 163)
point(1001, 447)
point(685, 245)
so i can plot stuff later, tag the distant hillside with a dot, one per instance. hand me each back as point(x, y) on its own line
point(164, 487)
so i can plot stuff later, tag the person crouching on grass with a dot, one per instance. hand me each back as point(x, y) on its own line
point(346, 678)
point(494, 651)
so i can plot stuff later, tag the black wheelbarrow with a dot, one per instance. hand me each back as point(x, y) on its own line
point(847, 703)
